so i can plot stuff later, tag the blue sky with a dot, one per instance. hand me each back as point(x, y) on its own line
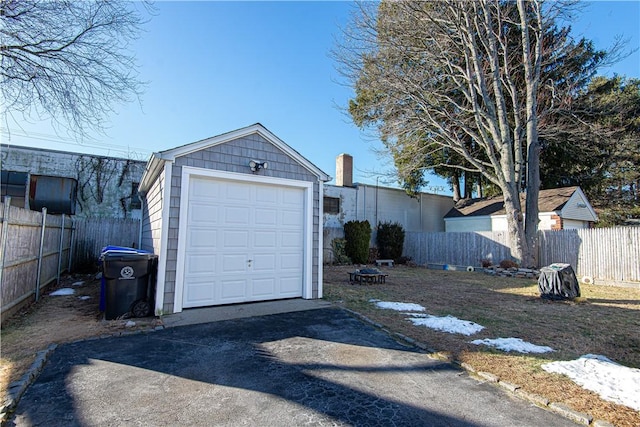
point(213, 67)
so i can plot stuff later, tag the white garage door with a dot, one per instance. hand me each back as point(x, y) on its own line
point(245, 242)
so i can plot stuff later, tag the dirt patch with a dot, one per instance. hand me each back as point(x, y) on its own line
point(56, 319)
point(605, 321)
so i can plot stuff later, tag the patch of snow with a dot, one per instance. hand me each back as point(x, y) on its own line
point(447, 324)
point(130, 324)
point(80, 283)
point(513, 344)
point(63, 291)
point(374, 300)
point(84, 297)
point(613, 382)
point(400, 306)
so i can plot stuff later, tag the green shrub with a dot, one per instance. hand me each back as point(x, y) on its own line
point(390, 240)
point(339, 251)
point(357, 234)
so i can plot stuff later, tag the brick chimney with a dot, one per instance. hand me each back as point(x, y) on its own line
point(344, 170)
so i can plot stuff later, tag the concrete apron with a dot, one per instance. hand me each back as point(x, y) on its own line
point(195, 316)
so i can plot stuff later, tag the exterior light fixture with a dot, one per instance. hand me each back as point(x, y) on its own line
point(256, 166)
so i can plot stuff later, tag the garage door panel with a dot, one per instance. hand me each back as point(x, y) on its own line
point(234, 239)
point(203, 238)
point(291, 239)
point(234, 263)
point(238, 191)
point(290, 261)
point(198, 264)
point(263, 263)
point(290, 286)
point(204, 215)
point(291, 218)
point(199, 293)
point(204, 188)
point(267, 195)
point(237, 215)
point(265, 239)
point(266, 217)
point(292, 197)
point(233, 289)
point(244, 244)
point(263, 288)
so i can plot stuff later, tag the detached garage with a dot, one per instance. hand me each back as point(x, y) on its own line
point(233, 218)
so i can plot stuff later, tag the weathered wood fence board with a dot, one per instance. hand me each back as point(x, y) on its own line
point(605, 254)
point(28, 249)
point(93, 234)
point(32, 257)
point(457, 248)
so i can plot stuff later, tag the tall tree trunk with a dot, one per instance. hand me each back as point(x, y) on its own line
point(468, 184)
point(530, 14)
point(515, 225)
point(479, 191)
point(455, 184)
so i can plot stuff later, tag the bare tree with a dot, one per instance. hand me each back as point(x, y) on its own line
point(463, 76)
point(67, 60)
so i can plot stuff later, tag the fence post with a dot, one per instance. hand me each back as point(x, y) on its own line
point(60, 251)
point(71, 236)
point(44, 225)
point(5, 230)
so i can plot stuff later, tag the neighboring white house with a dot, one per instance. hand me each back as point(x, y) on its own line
point(348, 201)
point(560, 209)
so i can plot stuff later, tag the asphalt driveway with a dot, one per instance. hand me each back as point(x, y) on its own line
point(317, 367)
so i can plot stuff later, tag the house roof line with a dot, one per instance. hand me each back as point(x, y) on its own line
point(549, 200)
point(256, 128)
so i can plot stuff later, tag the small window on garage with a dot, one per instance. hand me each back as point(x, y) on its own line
point(331, 205)
point(14, 184)
point(134, 199)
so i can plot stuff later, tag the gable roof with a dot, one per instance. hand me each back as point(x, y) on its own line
point(551, 200)
point(158, 159)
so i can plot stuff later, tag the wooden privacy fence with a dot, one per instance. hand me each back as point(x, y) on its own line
point(604, 254)
point(36, 248)
point(457, 248)
point(93, 234)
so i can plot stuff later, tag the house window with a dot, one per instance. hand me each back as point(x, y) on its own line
point(55, 193)
point(331, 205)
point(134, 199)
point(14, 184)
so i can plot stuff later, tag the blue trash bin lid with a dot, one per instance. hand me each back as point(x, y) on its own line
point(121, 250)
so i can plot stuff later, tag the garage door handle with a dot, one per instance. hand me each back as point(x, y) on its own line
point(249, 261)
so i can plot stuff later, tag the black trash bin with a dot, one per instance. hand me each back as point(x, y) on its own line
point(128, 284)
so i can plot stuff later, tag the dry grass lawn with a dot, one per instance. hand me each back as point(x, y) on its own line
point(606, 322)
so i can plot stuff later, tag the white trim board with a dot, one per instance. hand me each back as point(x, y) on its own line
point(188, 172)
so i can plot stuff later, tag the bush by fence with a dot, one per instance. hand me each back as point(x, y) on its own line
point(358, 235)
point(390, 240)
